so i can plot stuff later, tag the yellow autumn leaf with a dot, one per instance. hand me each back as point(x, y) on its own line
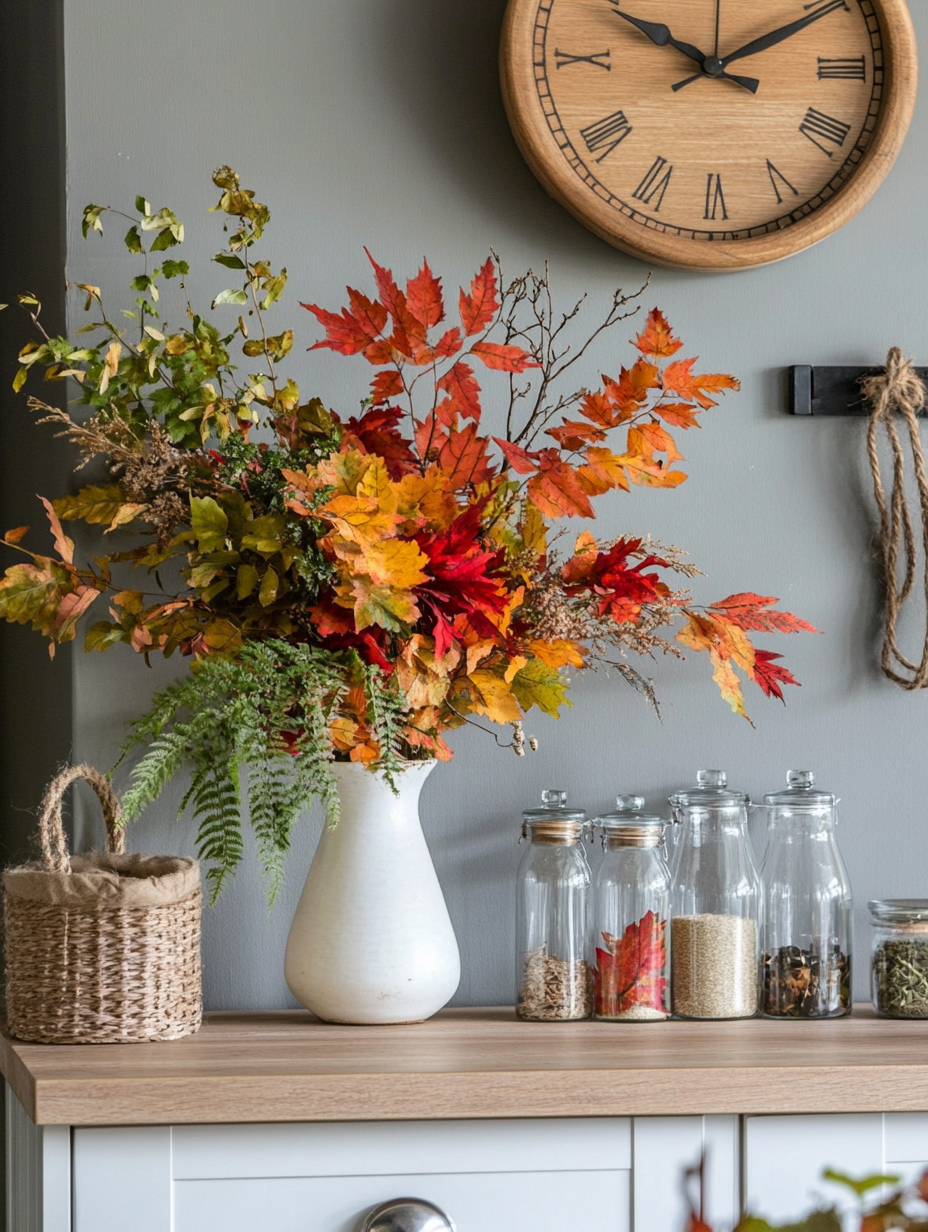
point(361, 519)
point(729, 684)
point(558, 652)
point(492, 696)
point(110, 365)
point(394, 562)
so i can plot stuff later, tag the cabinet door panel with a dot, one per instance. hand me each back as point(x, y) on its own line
point(785, 1157)
point(488, 1202)
point(664, 1147)
point(122, 1179)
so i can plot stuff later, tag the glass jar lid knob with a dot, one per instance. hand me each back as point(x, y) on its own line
point(629, 804)
point(711, 778)
point(800, 778)
point(554, 798)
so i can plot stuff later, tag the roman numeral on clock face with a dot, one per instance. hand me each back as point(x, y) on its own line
point(600, 59)
point(778, 179)
point(654, 183)
point(842, 69)
point(606, 134)
point(819, 127)
point(715, 201)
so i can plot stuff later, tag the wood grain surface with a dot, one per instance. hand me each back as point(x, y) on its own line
point(474, 1063)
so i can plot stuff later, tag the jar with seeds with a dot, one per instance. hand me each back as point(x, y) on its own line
point(715, 903)
point(806, 946)
point(899, 960)
point(553, 978)
point(631, 910)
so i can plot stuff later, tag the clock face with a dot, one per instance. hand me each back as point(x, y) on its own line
point(683, 128)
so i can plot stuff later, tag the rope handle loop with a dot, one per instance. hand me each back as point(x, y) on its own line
point(55, 852)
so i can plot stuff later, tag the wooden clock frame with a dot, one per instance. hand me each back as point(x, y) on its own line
point(546, 159)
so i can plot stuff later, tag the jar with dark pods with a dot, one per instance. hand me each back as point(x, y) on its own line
point(553, 978)
point(806, 961)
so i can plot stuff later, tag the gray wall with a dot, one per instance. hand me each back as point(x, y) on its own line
point(381, 124)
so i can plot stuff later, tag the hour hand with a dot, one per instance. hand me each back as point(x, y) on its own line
point(660, 34)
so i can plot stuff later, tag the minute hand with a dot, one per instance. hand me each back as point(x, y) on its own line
point(784, 32)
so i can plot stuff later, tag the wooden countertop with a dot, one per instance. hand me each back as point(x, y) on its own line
point(474, 1063)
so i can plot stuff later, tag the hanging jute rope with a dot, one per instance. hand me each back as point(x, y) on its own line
point(898, 391)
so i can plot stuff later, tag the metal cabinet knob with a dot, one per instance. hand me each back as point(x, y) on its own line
point(407, 1215)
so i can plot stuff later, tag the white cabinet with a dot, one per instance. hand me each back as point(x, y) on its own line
point(784, 1157)
point(611, 1174)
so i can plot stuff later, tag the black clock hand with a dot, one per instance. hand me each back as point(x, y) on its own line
point(770, 40)
point(660, 34)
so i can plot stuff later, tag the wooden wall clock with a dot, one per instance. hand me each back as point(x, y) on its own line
point(709, 134)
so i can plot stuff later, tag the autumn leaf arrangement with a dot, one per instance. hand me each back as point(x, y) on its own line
point(355, 586)
point(880, 1204)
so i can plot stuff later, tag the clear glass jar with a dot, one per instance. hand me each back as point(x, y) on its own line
point(715, 903)
point(899, 958)
point(553, 978)
point(631, 908)
point(806, 952)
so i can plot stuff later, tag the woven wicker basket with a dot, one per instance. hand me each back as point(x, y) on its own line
point(102, 948)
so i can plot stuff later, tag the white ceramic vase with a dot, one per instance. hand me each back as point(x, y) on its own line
point(371, 941)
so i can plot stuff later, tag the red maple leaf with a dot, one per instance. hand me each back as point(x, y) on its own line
point(376, 433)
point(769, 675)
point(630, 970)
point(620, 586)
point(464, 579)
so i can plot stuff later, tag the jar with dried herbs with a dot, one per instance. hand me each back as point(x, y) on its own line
point(715, 903)
point(806, 962)
point(899, 960)
point(553, 978)
point(631, 909)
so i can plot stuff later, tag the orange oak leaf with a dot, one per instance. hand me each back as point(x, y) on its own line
point(502, 357)
point(573, 435)
point(463, 457)
point(657, 337)
point(14, 536)
point(555, 490)
point(479, 308)
point(602, 471)
point(461, 387)
point(448, 344)
point(599, 410)
point(386, 385)
point(677, 414)
point(630, 392)
point(521, 461)
point(750, 611)
point(63, 545)
point(423, 297)
point(660, 441)
point(630, 970)
point(680, 379)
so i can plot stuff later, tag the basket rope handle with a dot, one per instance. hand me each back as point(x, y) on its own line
point(51, 826)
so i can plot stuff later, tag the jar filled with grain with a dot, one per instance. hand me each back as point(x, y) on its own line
point(806, 947)
point(553, 978)
point(631, 910)
point(715, 903)
point(899, 960)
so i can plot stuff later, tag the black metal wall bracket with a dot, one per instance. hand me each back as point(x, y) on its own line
point(831, 391)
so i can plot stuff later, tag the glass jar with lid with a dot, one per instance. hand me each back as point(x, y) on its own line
point(806, 952)
point(899, 959)
point(631, 909)
point(715, 903)
point(553, 977)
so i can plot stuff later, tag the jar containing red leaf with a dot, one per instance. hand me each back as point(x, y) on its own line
point(631, 908)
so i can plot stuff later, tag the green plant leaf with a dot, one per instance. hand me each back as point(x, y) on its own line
point(230, 297)
point(860, 1186)
point(229, 261)
point(542, 686)
point(208, 523)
